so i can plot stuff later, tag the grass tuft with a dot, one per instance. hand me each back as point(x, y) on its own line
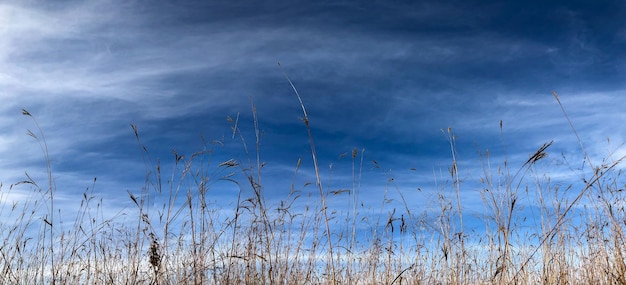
point(532, 228)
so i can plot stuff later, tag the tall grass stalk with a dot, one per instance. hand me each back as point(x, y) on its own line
point(317, 175)
point(49, 219)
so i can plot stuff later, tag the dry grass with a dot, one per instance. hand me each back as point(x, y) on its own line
point(304, 239)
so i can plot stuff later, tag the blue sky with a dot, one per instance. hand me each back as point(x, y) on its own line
point(385, 77)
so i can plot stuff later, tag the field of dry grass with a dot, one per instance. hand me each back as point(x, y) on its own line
point(302, 239)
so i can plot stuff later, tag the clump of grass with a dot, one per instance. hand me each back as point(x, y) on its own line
point(176, 235)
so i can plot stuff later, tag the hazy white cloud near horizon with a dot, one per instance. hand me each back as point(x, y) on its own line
point(384, 77)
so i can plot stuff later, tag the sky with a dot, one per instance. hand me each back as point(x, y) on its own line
point(385, 77)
